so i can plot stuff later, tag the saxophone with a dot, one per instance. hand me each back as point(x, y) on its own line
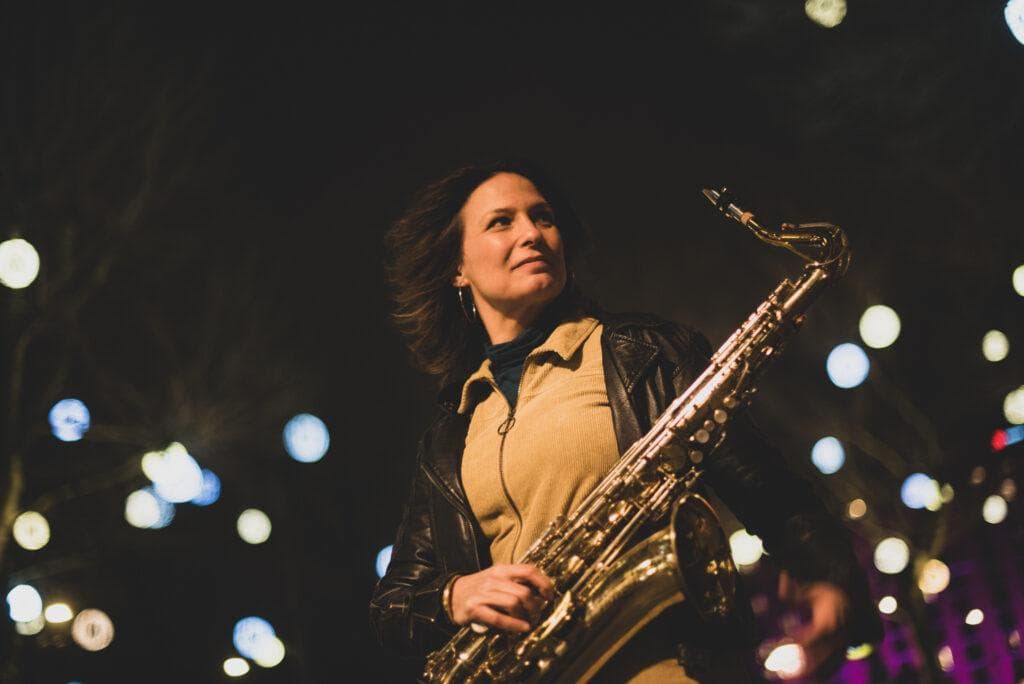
point(608, 587)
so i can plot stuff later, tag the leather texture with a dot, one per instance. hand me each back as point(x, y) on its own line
point(647, 362)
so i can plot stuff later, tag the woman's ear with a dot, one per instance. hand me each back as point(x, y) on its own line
point(460, 280)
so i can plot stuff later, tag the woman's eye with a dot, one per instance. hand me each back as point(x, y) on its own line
point(499, 221)
point(544, 219)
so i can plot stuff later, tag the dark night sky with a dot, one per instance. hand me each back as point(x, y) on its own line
point(249, 287)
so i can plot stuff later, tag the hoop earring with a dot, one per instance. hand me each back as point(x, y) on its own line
point(468, 312)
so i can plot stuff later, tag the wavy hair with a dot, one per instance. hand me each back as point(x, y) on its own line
point(424, 247)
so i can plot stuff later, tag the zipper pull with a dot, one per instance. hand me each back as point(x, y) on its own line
point(508, 423)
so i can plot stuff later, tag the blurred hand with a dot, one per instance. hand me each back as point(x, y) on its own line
point(508, 597)
point(823, 639)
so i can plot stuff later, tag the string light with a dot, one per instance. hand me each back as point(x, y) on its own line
point(31, 531)
point(31, 627)
point(892, 555)
point(251, 635)
point(785, 661)
point(24, 603)
point(921, 491)
point(210, 491)
point(994, 509)
point(934, 577)
point(58, 613)
point(69, 420)
point(146, 510)
point(827, 455)
point(270, 653)
point(826, 13)
point(383, 560)
point(995, 346)
point(1018, 273)
point(236, 667)
point(746, 548)
point(176, 476)
point(945, 657)
point(1013, 406)
point(974, 617)
point(254, 526)
point(879, 326)
point(887, 605)
point(856, 509)
point(306, 438)
point(19, 263)
point(92, 629)
point(847, 365)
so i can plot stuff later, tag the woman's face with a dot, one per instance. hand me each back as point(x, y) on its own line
point(512, 258)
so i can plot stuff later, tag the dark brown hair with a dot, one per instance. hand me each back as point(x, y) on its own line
point(424, 249)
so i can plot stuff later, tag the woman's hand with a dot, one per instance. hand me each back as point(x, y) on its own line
point(823, 639)
point(507, 597)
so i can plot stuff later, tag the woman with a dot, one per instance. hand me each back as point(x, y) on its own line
point(541, 393)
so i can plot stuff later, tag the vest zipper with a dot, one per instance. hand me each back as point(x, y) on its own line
point(503, 430)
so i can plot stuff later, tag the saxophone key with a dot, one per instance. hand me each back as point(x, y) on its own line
point(720, 416)
point(702, 436)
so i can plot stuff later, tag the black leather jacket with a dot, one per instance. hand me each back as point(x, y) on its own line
point(647, 362)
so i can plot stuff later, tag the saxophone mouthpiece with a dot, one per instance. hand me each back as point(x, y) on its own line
point(725, 202)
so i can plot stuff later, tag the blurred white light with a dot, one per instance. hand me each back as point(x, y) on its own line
point(856, 509)
point(306, 438)
point(746, 548)
point(31, 531)
point(69, 420)
point(19, 263)
point(210, 491)
point(92, 630)
point(146, 510)
point(934, 577)
point(994, 509)
point(58, 613)
point(384, 559)
point(31, 627)
point(995, 346)
point(826, 13)
point(921, 491)
point(254, 526)
point(974, 617)
point(785, 661)
point(946, 658)
point(887, 605)
point(879, 326)
point(847, 365)
point(1013, 406)
point(947, 492)
point(250, 636)
point(892, 555)
point(269, 653)
point(24, 603)
point(177, 476)
point(236, 667)
point(1018, 273)
point(827, 455)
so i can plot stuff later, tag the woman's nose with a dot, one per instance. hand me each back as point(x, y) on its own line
point(529, 233)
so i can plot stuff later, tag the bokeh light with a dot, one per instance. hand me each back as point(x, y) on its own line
point(269, 653)
point(384, 559)
point(879, 326)
point(176, 476)
point(254, 526)
point(974, 617)
point(746, 548)
point(994, 509)
point(934, 577)
point(921, 491)
point(1013, 406)
point(859, 652)
point(24, 603)
point(19, 263)
point(826, 13)
point(92, 629)
point(236, 667)
point(827, 455)
point(58, 613)
point(31, 531)
point(785, 661)
point(856, 509)
point(995, 346)
point(945, 656)
point(210, 491)
point(251, 635)
point(1018, 273)
point(978, 475)
point(892, 555)
point(146, 510)
point(1008, 489)
point(31, 627)
point(306, 438)
point(887, 605)
point(847, 365)
point(69, 420)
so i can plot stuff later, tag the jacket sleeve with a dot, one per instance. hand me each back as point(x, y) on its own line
point(405, 611)
point(776, 504)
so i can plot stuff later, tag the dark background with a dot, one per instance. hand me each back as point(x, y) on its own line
point(208, 188)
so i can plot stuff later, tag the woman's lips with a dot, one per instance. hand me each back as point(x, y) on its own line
point(531, 260)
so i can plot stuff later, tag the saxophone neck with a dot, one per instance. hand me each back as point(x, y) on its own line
point(822, 245)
